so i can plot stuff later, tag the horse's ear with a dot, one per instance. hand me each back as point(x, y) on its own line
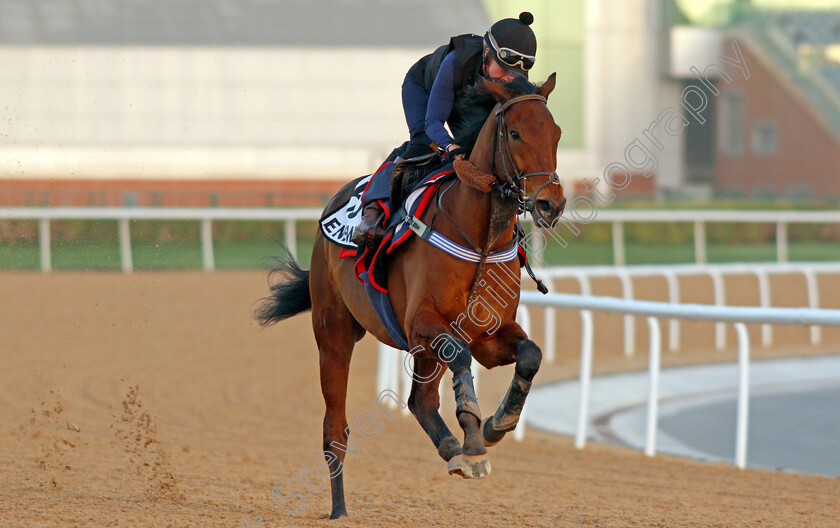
point(548, 86)
point(498, 90)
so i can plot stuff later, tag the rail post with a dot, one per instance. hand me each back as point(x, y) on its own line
point(125, 245)
point(618, 243)
point(673, 298)
point(387, 375)
point(44, 240)
point(720, 300)
point(813, 302)
point(781, 241)
point(743, 395)
point(629, 321)
point(585, 376)
point(764, 302)
point(583, 281)
point(207, 245)
point(699, 242)
point(290, 228)
point(653, 388)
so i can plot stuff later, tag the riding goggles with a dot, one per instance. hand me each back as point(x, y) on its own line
point(511, 57)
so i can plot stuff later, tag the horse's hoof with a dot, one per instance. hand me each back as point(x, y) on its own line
point(470, 466)
point(338, 514)
point(489, 434)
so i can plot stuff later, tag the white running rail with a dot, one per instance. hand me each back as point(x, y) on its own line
point(44, 215)
point(739, 315)
point(671, 273)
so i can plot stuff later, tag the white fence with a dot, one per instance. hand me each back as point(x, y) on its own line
point(671, 273)
point(699, 218)
point(654, 310)
point(206, 216)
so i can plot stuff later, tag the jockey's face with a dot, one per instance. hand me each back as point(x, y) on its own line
point(493, 70)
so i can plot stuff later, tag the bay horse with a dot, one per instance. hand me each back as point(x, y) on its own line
point(432, 292)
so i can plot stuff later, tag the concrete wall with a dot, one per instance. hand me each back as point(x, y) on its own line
point(307, 113)
point(199, 112)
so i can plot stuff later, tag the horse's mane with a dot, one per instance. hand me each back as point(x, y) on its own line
point(476, 105)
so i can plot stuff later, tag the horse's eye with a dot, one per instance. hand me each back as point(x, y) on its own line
point(515, 135)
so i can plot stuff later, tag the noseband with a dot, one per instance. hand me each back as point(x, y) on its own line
point(512, 183)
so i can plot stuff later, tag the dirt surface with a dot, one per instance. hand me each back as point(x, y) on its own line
point(154, 400)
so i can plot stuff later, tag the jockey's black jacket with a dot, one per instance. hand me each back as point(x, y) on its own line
point(468, 49)
point(467, 69)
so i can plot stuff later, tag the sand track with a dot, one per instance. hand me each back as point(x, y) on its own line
point(223, 411)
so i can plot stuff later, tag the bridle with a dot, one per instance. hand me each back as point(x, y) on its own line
point(510, 186)
point(512, 181)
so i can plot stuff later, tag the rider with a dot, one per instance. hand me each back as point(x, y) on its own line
point(435, 84)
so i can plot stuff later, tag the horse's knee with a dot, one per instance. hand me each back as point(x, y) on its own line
point(528, 359)
point(452, 351)
point(335, 428)
point(414, 405)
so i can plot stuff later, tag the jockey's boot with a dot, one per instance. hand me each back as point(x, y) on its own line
point(369, 232)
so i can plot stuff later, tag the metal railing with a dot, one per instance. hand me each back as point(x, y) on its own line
point(671, 274)
point(618, 218)
point(739, 315)
point(700, 218)
point(123, 215)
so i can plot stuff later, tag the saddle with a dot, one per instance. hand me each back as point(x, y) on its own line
point(409, 173)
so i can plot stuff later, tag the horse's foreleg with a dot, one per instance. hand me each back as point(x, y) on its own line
point(424, 403)
point(430, 331)
point(528, 359)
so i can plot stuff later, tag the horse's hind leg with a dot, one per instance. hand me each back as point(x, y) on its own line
point(336, 332)
point(430, 332)
point(424, 403)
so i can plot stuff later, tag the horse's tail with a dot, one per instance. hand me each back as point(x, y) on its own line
point(289, 294)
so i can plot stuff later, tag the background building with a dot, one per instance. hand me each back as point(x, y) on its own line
point(278, 102)
point(165, 95)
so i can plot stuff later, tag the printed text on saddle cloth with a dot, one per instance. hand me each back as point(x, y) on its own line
point(338, 227)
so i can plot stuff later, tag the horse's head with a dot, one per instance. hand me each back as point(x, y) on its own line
point(525, 149)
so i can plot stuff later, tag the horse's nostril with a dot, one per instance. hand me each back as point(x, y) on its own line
point(562, 206)
point(545, 207)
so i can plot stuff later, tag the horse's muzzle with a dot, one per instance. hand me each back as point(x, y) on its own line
point(547, 212)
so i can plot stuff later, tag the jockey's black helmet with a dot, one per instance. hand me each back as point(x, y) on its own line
point(512, 43)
